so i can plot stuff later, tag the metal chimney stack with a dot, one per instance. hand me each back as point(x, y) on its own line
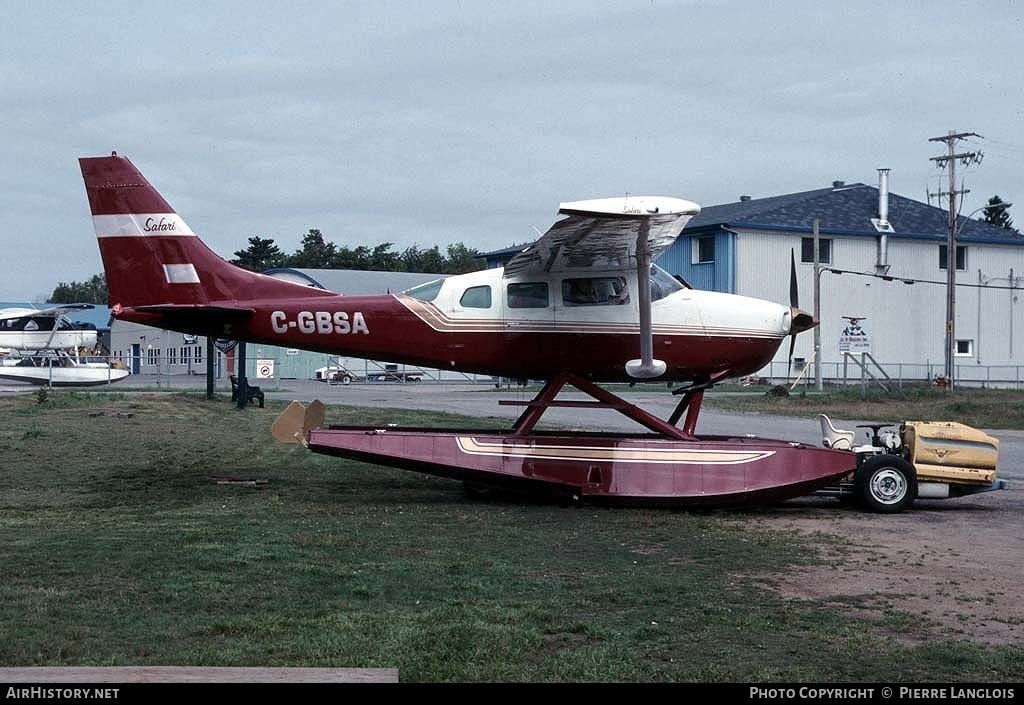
point(881, 223)
point(883, 197)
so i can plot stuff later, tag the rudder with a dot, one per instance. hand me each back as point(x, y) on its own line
point(151, 256)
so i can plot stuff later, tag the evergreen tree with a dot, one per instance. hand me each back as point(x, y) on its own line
point(315, 253)
point(262, 254)
point(997, 214)
point(382, 259)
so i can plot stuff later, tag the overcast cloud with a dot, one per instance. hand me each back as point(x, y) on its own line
point(431, 123)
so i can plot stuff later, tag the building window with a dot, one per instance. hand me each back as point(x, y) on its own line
point(476, 297)
point(152, 356)
point(824, 250)
point(198, 357)
point(964, 348)
point(961, 257)
point(186, 355)
point(172, 356)
point(703, 250)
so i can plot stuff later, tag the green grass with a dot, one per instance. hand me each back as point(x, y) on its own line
point(117, 548)
point(982, 408)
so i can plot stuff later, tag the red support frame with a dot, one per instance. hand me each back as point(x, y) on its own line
point(545, 399)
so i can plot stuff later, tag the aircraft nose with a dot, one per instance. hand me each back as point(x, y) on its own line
point(800, 321)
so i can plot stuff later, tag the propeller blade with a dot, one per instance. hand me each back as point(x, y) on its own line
point(792, 344)
point(794, 294)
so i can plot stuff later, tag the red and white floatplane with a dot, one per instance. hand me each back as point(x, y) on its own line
point(581, 306)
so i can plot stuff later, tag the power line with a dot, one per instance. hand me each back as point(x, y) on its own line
point(908, 280)
point(1007, 145)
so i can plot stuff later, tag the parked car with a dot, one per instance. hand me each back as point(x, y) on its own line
point(336, 375)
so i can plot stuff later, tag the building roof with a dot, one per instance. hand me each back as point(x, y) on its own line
point(507, 252)
point(846, 209)
point(355, 282)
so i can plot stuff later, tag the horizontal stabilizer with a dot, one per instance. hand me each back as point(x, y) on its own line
point(198, 309)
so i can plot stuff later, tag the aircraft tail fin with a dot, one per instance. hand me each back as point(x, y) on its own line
point(150, 255)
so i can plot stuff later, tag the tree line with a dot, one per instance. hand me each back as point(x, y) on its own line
point(92, 291)
point(317, 253)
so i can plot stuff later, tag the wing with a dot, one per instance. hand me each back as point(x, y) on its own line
point(55, 312)
point(603, 234)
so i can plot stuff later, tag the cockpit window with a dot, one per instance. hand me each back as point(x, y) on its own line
point(595, 291)
point(662, 283)
point(426, 292)
point(528, 295)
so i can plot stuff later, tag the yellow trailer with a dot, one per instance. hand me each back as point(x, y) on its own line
point(924, 459)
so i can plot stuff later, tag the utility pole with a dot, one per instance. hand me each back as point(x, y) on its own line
point(818, 385)
point(950, 159)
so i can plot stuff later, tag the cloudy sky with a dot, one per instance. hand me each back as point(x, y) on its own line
point(436, 122)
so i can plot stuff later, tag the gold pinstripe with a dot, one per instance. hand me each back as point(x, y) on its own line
point(471, 446)
point(441, 322)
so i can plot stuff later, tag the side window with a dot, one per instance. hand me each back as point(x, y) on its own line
point(595, 291)
point(528, 295)
point(476, 297)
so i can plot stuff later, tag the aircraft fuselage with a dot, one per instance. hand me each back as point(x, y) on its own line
point(475, 323)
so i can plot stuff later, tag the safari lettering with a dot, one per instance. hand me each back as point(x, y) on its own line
point(152, 225)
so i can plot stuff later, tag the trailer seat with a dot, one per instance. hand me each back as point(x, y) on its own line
point(832, 437)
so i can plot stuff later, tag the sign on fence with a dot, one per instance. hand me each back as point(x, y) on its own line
point(264, 369)
point(854, 338)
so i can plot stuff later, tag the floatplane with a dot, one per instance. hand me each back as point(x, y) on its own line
point(42, 346)
point(581, 306)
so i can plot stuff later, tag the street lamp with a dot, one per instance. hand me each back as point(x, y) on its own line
point(955, 226)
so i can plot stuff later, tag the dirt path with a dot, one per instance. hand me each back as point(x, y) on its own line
point(959, 564)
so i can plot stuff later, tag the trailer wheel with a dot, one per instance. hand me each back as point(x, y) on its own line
point(886, 484)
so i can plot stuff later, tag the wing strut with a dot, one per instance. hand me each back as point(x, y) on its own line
point(646, 367)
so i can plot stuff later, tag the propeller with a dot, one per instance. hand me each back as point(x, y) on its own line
point(800, 320)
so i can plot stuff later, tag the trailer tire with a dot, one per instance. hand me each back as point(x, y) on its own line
point(886, 484)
